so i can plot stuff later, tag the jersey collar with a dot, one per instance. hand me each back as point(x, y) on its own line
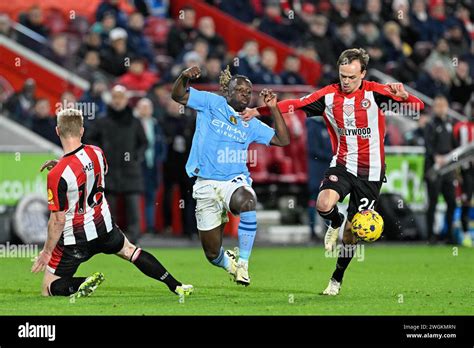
point(75, 151)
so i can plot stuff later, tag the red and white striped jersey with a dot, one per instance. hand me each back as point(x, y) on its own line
point(355, 122)
point(464, 132)
point(76, 185)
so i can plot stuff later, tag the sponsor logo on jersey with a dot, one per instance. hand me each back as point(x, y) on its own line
point(364, 133)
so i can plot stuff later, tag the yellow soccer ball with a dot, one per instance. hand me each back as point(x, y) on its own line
point(367, 225)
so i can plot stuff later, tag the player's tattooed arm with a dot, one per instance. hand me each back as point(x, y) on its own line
point(56, 224)
point(180, 93)
point(282, 135)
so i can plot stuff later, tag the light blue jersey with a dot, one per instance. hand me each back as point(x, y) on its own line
point(220, 143)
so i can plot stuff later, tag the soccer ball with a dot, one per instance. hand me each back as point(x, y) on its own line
point(367, 225)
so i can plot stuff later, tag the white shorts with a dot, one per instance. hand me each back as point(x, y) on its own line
point(213, 200)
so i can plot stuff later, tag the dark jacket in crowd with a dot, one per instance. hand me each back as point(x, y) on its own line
point(46, 127)
point(123, 140)
point(439, 140)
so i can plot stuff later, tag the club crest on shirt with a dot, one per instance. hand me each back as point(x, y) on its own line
point(233, 120)
point(365, 103)
point(348, 109)
point(333, 178)
point(50, 196)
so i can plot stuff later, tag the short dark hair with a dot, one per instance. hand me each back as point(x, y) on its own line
point(348, 56)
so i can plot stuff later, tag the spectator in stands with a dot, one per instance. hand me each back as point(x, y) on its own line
point(373, 13)
point(152, 8)
point(124, 142)
point(6, 27)
point(457, 42)
point(400, 11)
point(201, 47)
point(59, 53)
point(211, 71)
point(104, 27)
point(89, 65)
point(436, 81)
point(154, 157)
point(111, 6)
point(345, 37)
point(319, 156)
point(243, 10)
point(437, 12)
point(137, 42)
point(20, 105)
point(441, 55)
point(462, 86)
point(266, 73)
point(159, 96)
point(275, 25)
point(248, 59)
point(34, 20)
point(42, 122)
point(91, 42)
point(113, 59)
point(463, 16)
point(178, 129)
point(67, 101)
point(92, 101)
point(182, 35)
point(340, 12)
point(439, 141)
point(416, 136)
point(290, 74)
point(207, 31)
point(318, 37)
point(138, 78)
point(392, 44)
point(423, 24)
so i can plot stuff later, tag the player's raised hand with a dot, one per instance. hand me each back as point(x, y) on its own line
point(41, 262)
point(48, 165)
point(397, 89)
point(248, 114)
point(269, 98)
point(192, 73)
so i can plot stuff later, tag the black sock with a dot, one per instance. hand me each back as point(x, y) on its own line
point(334, 216)
point(150, 266)
point(65, 286)
point(346, 253)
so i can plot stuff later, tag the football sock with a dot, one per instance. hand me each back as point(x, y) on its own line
point(246, 232)
point(334, 216)
point(65, 286)
point(222, 260)
point(150, 266)
point(346, 253)
point(312, 215)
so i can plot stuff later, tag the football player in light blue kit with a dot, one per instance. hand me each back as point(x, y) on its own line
point(218, 159)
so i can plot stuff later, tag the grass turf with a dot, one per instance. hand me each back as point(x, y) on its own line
point(391, 280)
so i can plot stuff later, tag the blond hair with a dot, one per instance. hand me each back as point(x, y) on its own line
point(225, 77)
point(70, 122)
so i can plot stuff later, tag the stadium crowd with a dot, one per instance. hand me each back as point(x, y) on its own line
point(428, 45)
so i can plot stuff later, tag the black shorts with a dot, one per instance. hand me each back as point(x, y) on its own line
point(67, 258)
point(364, 193)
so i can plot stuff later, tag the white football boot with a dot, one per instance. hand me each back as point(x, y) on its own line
point(333, 288)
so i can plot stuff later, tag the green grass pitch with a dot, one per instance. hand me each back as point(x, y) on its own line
point(391, 280)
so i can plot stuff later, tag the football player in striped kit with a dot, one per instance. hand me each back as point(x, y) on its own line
point(353, 110)
point(80, 225)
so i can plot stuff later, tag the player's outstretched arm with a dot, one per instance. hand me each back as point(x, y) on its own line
point(56, 224)
point(180, 94)
point(282, 135)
